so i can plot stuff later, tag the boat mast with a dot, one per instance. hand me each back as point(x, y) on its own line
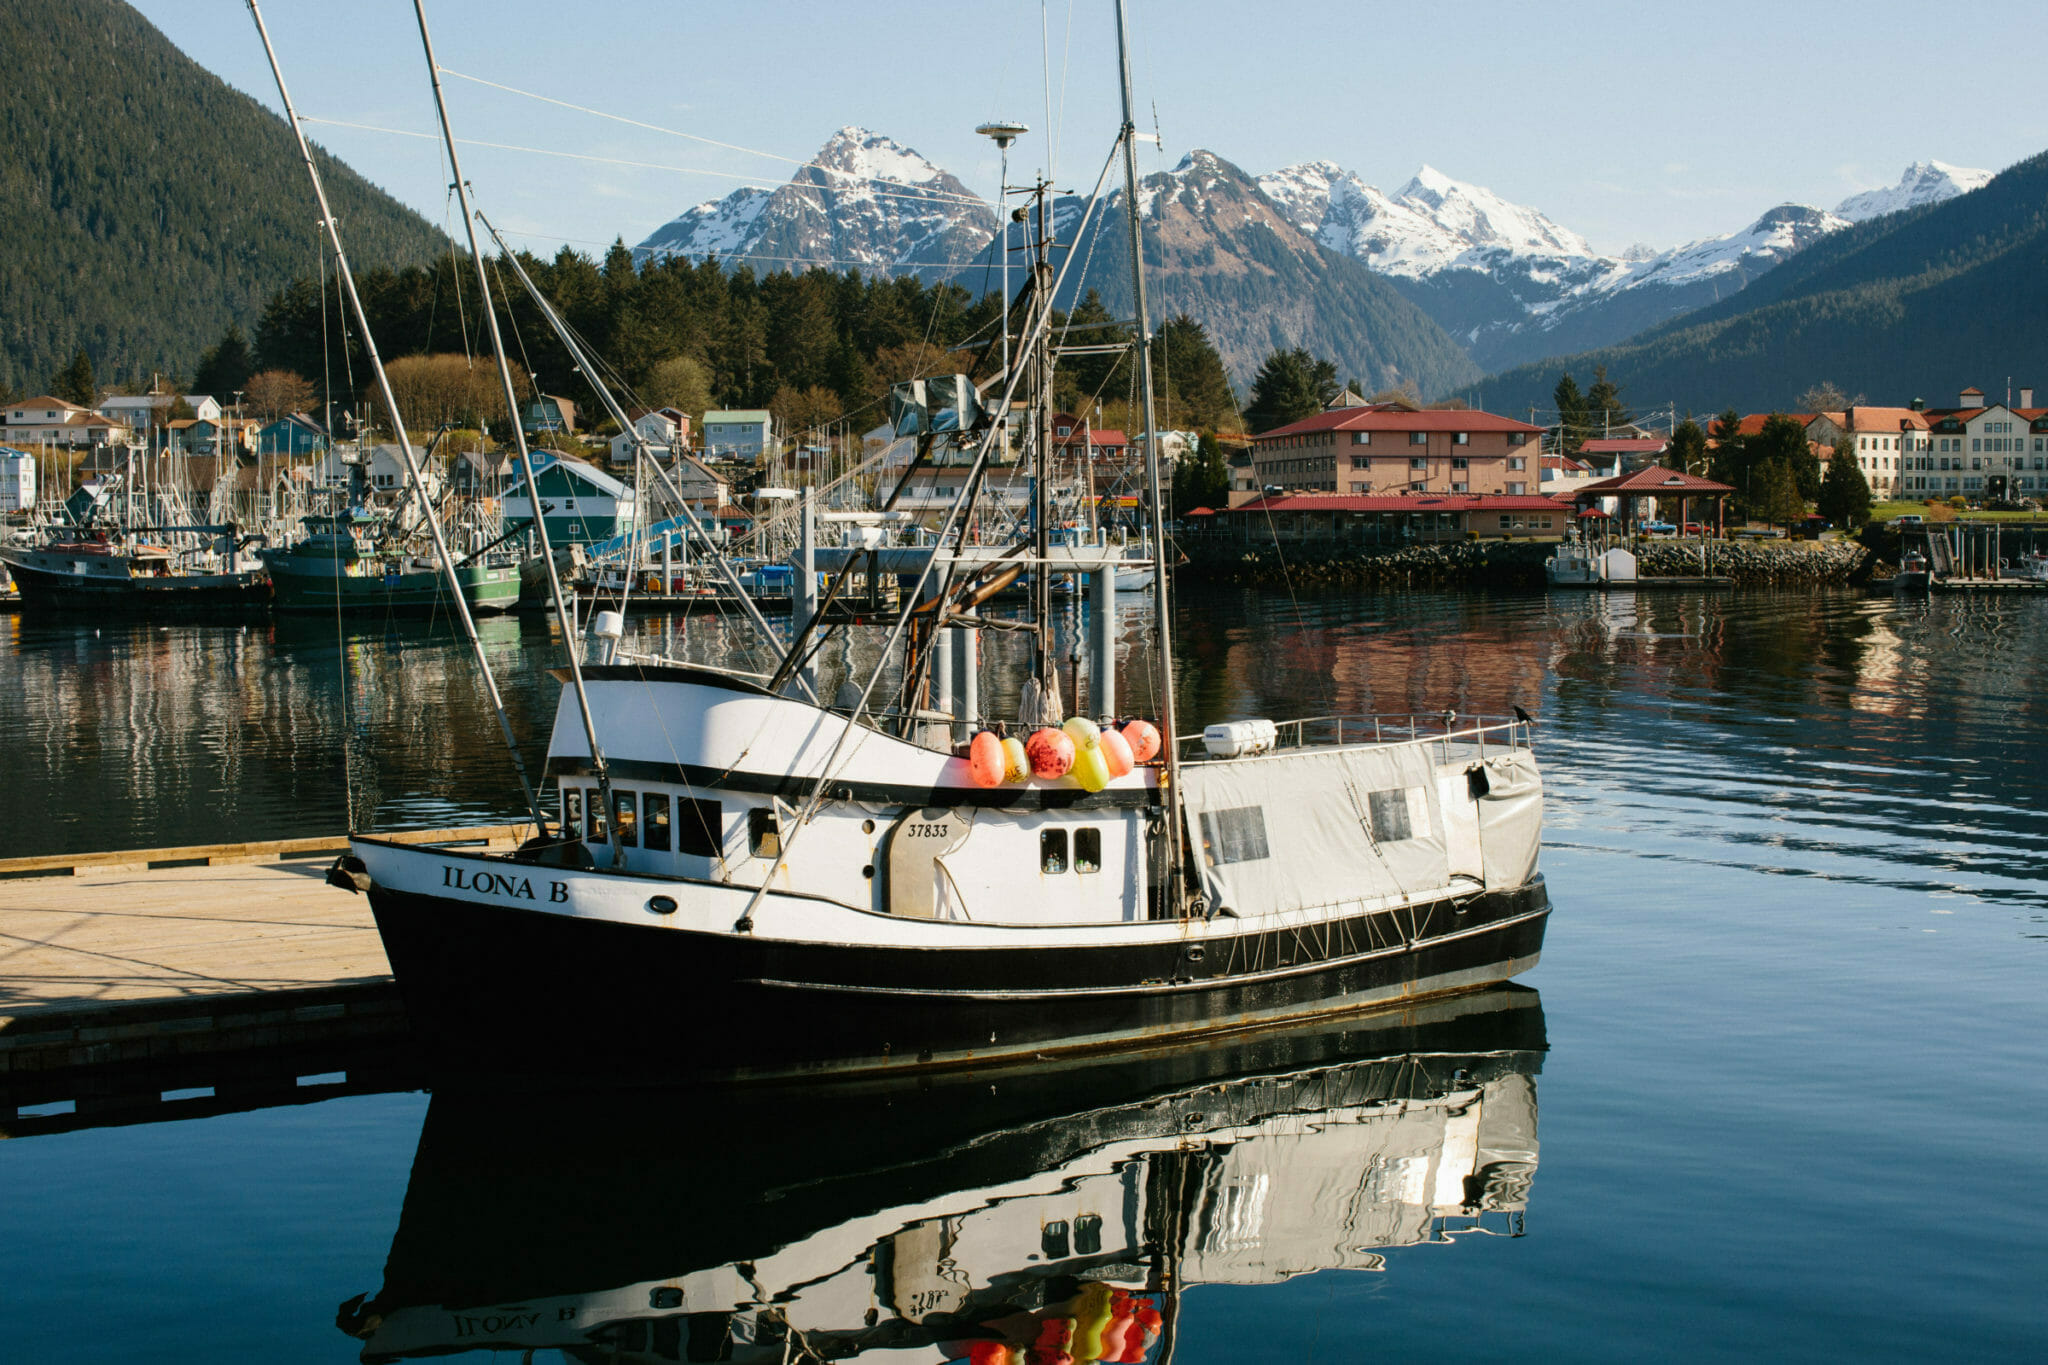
point(618, 414)
point(1161, 594)
point(540, 522)
point(412, 468)
point(1044, 665)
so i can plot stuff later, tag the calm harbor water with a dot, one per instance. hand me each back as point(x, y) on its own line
point(1777, 1091)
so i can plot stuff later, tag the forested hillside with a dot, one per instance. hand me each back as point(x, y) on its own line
point(1916, 304)
point(144, 205)
point(818, 347)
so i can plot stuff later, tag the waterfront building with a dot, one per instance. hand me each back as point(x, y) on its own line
point(1886, 441)
point(738, 433)
point(548, 413)
point(293, 435)
point(1385, 448)
point(143, 412)
point(666, 429)
point(1399, 518)
point(17, 480)
point(1981, 450)
point(582, 503)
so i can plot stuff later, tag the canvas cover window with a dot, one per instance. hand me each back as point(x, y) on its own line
point(1237, 835)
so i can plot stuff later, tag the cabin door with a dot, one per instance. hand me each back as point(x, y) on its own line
point(916, 843)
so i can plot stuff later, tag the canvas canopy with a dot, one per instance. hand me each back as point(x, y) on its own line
point(1323, 827)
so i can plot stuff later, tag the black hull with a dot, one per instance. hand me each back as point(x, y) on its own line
point(522, 991)
point(50, 592)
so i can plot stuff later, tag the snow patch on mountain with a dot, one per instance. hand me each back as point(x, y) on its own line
point(864, 200)
point(1925, 182)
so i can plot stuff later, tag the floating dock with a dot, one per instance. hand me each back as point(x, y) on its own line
point(131, 976)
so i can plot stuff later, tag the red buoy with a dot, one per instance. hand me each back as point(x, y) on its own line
point(1143, 737)
point(985, 760)
point(1051, 753)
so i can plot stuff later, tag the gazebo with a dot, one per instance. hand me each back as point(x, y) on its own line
point(1654, 481)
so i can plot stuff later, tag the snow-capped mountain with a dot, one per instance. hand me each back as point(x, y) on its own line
point(1925, 182)
point(865, 200)
point(1513, 285)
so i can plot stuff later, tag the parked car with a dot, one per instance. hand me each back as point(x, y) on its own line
point(1662, 530)
point(1811, 528)
point(1910, 519)
point(1693, 528)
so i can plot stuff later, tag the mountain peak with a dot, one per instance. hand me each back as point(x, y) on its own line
point(1925, 182)
point(869, 155)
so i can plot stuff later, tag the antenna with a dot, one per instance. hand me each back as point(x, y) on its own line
point(1003, 134)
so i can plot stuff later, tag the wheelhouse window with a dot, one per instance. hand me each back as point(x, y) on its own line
point(1087, 850)
point(700, 827)
point(572, 810)
point(654, 829)
point(625, 817)
point(593, 808)
point(764, 832)
point(1052, 851)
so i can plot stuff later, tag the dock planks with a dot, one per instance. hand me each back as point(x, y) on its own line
point(122, 957)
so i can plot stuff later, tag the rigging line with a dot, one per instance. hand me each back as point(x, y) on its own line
point(907, 191)
point(697, 137)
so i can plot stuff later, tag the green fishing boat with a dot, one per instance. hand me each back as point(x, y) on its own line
point(339, 565)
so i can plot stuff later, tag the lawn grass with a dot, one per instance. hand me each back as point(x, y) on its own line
point(1885, 511)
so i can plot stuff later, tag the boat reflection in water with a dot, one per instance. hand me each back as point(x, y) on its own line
point(1024, 1217)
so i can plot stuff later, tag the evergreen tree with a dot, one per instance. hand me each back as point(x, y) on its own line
point(1844, 492)
point(1201, 479)
point(1190, 375)
point(1783, 439)
point(225, 366)
point(74, 383)
point(1289, 386)
point(1689, 447)
point(1778, 501)
point(1604, 410)
point(1571, 414)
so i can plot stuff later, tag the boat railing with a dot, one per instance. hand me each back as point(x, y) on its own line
point(1403, 727)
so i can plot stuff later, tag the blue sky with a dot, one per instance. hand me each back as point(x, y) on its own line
point(1626, 122)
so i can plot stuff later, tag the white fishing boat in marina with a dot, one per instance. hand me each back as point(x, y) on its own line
point(737, 875)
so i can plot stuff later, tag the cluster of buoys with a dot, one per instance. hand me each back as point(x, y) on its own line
point(1100, 1324)
point(1093, 756)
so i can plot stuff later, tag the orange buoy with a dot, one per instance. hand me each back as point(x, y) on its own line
point(1117, 751)
point(1050, 752)
point(1143, 738)
point(1091, 768)
point(1016, 767)
point(985, 760)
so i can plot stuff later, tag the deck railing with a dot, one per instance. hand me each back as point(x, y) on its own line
point(1444, 727)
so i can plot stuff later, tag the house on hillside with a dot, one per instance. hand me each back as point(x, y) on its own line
point(1392, 448)
point(548, 413)
point(384, 470)
point(142, 413)
point(291, 436)
point(738, 433)
point(1608, 456)
point(17, 480)
point(579, 502)
point(55, 422)
point(665, 430)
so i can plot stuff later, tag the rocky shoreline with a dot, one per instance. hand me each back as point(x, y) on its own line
point(1518, 564)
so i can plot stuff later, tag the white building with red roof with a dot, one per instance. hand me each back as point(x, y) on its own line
point(1384, 448)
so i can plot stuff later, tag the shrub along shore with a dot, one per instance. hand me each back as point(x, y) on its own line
point(1516, 564)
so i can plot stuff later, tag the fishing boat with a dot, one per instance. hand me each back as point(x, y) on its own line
point(106, 570)
point(994, 1216)
point(735, 875)
point(340, 564)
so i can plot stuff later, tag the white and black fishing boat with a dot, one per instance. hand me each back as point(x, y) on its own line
point(735, 876)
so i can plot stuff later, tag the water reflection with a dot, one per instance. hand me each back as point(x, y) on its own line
point(1055, 1215)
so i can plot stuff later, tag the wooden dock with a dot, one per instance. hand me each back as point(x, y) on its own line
point(151, 958)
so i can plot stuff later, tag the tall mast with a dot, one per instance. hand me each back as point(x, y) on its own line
point(1162, 595)
point(1041, 503)
point(412, 467)
point(540, 521)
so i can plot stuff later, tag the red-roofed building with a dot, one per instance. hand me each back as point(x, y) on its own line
point(1668, 493)
point(1390, 448)
point(1399, 518)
